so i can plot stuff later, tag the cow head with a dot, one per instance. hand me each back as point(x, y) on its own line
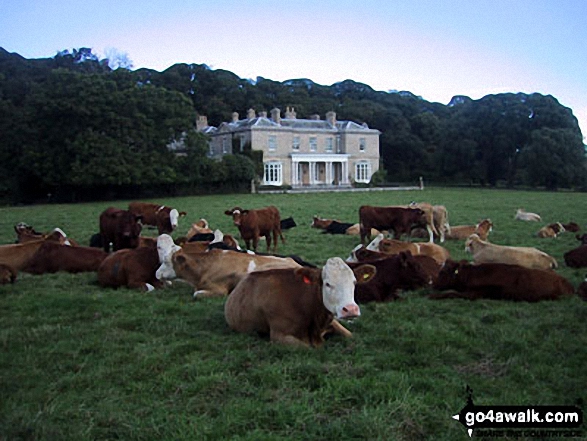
point(166, 248)
point(471, 241)
point(237, 214)
point(411, 275)
point(449, 275)
point(338, 285)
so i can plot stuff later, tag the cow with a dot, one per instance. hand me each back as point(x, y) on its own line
point(18, 255)
point(439, 219)
point(331, 226)
point(121, 228)
point(582, 238)
point(523, 215)
point(551, 230)
point(485, 252)
point(297, 306)
point(200, 227)
point(430, 227)
point(398, 272)
point(7, 274)
point(462, 232)
point(321, 223)
point(253, 224)
point(164, 218)
point(572, 227)
point(500, 281)
point(393, 246)
point(26, 233)
point(212, 273)
point(400, 220)
point(52, 257)
point(132, 268)
point(288, 223)
point(577, 257)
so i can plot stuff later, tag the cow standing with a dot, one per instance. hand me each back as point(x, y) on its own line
point(121, 228)
point(296, 306)
point(253, 224)
point(400, 220)
point(164, 218)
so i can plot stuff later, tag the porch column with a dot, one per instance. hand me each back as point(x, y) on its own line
point(328, 173)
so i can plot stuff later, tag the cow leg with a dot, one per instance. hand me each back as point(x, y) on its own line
point(210, 292)
point(430, 234)
point(337, 328)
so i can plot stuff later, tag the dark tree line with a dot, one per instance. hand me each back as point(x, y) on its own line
point(75, 128)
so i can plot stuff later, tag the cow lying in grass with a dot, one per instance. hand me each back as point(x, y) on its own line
point(500, 281)
point(297, 306)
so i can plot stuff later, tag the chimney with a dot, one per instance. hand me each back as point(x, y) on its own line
point(251, 114)
point(290, 113)
point(234, 117)
point(263, 114)
point(331, 118)
point(276, 115)
point(315, 117)
point(201, 122)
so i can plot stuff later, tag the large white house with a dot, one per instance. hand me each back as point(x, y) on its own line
point(310, 152)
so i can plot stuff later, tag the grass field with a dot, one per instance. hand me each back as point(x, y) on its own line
point(78, 362)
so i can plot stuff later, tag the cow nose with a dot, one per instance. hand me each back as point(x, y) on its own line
point(351, 310)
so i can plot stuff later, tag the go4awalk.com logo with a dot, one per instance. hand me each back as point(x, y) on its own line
point(539, 421)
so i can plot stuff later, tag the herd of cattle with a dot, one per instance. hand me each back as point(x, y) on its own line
point(291, 300)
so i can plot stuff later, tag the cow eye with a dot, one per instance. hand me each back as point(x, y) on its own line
point(328, 285)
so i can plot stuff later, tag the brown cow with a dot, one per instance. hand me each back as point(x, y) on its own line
point(462, 232)
point(253, 224)
point(26, 233)
point(164, 218)
point(7, 274)
point(551, 230)
point(577, 257)
point(572, 227)
point(397, 219)
point(212, 273)
point(297, 306)
point(401, 271)
point(500, 281)
point(121, 228)
point(393, 246)
point(18, 255)
point(52, 257)
point(133, 268)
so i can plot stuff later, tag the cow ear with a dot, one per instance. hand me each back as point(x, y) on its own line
point(182, 213)
point(364, 273)
point(228, 212)
point(180, 259)
point(244, 211)
point(308, 275)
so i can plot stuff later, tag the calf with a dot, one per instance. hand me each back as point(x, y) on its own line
point(577, 257)
point(133, 268)
point(500, 282)
point(253, 224)
point(400, 220)
point(121, 228)
point(462, 232)
point(212, 273)
point(485, 252)
point(401, 271)
point(297, 306)
point(164, 218)
point(7, 274)
point(52, 257)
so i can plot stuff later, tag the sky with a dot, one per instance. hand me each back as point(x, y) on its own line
point(435, 49)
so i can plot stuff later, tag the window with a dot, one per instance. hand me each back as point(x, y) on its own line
point(272, 173)
point(329, 145)
point(313, 144)
point(225, 141)
point(272, 143)
point(362, 172)
point(243, 142)
point(362, 144)
point(296, 143)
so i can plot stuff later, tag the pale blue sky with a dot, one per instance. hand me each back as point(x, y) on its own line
point(432, 48)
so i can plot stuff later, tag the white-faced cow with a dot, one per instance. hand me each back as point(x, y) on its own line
point(297, 306)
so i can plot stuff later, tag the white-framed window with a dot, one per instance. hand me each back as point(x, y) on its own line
point(243, 141)
point(273, 173)
point(272, 144)
point(329, 145)
point(296, 143)
point(225, 142)
point(362, 172)
point(362, 144)
point(313, 144)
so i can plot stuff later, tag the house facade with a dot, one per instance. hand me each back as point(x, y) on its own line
point(300, 152)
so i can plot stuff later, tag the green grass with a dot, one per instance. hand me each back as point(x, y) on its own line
point(81, 362)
